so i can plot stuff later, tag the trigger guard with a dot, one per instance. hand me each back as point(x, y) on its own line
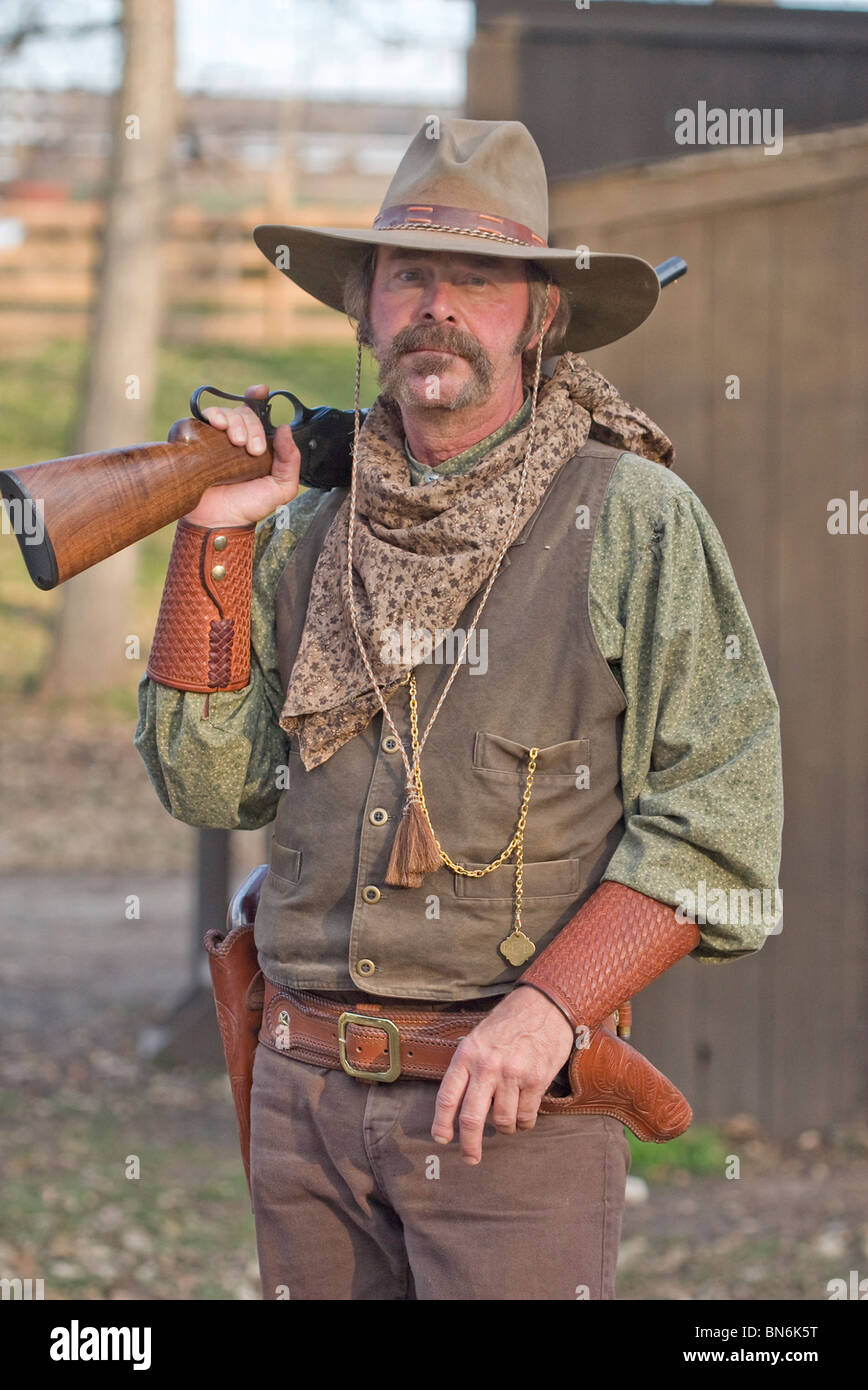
point(265, 415)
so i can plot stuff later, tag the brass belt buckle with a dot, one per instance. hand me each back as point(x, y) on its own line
point(389, 1028)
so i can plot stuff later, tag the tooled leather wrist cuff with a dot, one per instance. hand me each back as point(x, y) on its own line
point(616, 944)
point(202, 639)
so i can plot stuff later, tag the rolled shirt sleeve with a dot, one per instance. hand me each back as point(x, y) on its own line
point(222, 768)
point(700, 756)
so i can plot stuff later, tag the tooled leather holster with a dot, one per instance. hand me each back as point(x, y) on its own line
point(607, 1076)
point(239, 994)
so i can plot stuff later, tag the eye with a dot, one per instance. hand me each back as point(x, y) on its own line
point(408, 274)
point(475, 279)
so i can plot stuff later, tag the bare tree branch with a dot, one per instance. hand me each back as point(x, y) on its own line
point(35, 24)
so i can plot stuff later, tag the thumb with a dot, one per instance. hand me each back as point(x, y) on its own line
point(286, 456)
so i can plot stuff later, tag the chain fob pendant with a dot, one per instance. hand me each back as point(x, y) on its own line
point(517, 948)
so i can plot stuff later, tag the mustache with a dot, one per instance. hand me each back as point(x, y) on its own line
point(441, 337)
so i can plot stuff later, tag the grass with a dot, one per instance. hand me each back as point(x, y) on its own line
point(41, 395)
point(700, 1152)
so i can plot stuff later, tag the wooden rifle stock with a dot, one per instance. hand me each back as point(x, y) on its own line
point(84, 508)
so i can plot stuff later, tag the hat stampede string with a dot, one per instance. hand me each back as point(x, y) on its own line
point(416, 851)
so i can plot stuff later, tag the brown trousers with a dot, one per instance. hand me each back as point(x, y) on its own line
point(353, 1199)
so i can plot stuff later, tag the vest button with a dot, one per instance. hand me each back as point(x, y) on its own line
point(389, 744)
point(220, 542)
point(378, 816)
point(366, 967)
point(371, 894)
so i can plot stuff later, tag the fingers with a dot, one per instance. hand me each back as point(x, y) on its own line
point(476, 1092)
point(471, 1121)
point(528, 1108)
point(505, 1065)
point(515, 1107)
point(452, 1088)
point(245, 428)
point(242, 425)
point(506, 1104)
point(512, 1108)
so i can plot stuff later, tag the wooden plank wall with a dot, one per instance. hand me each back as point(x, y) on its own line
point(777, 293)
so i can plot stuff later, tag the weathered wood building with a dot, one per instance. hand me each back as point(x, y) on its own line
point(777, 297)
point(600, 86)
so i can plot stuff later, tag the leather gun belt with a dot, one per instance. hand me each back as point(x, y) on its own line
point(374, 1041)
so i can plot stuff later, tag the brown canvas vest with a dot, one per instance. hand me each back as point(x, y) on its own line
point(326, 918)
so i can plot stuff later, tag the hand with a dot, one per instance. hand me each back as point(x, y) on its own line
point(242, 504)
point(510, 1057)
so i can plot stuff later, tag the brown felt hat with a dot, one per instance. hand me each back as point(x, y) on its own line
point(473, 186)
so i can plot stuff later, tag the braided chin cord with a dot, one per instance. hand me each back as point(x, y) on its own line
point(413, 772)
point(416, 849)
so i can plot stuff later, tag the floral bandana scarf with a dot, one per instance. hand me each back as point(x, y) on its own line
point(423, 550)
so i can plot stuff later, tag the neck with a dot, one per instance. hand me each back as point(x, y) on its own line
point(435, 434)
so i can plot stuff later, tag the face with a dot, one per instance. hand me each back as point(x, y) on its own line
point(446, 328)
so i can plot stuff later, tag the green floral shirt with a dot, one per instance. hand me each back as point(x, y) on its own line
point(700, 753)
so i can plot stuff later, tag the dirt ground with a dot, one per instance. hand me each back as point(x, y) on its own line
point(121, 1176)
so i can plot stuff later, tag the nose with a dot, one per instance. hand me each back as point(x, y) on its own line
point(436, 303)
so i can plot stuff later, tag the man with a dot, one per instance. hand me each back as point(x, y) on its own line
point(608, 733)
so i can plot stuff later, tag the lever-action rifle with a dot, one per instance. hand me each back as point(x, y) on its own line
point(82, 509)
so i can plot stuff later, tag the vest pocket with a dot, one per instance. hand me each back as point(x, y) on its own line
point(284, 863)
point(549, 878)
point(495, 753)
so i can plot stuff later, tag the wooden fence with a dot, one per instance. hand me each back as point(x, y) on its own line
point(219, 286)
point(776, 294)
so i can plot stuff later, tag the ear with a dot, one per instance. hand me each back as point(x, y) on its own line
point(551, 309)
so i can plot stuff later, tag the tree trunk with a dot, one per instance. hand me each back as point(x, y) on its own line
point(96, 620)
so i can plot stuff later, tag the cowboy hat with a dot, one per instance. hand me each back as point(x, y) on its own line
point(473, 187)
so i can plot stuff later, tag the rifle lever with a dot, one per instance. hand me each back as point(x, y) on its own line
point(322, 433)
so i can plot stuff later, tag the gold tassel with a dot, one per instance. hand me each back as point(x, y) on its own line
point(414, 849)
